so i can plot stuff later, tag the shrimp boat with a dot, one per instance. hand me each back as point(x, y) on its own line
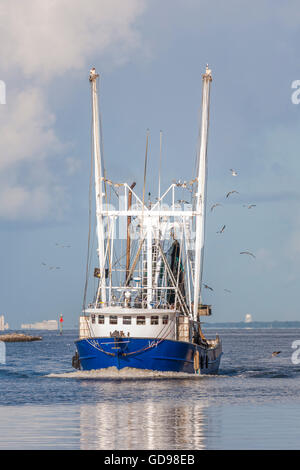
point(146, 311)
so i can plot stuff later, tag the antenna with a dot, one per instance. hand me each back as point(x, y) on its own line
point(160, 155)
point(145, 167)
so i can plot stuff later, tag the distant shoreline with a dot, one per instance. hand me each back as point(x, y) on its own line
point(254, 324)
point(275, 324)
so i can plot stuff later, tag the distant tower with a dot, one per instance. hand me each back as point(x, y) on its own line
point(1, 322)
point(248, 318)
point(61, 320)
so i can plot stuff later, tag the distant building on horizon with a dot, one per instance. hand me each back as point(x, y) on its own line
point(248, 318)
point(41, 325)
point(3, 325)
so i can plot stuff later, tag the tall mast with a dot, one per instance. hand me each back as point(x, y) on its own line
point(201, 190)
point(99, 177)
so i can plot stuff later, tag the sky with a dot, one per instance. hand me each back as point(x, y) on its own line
point(150, 56)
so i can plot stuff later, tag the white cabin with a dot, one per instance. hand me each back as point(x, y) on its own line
point(137, 323)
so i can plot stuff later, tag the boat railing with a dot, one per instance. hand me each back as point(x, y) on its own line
point(134, 304)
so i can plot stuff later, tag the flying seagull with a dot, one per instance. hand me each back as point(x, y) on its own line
point(233, 172)
point(227, 290)
point(231, 192)
point(50, 268)
point(215, 205)
point(250, 205)
point(222, 229)
point(207, 287)
point(275, 353)
point(247, 253)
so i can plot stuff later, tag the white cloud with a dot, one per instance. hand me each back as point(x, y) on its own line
point(27, 141)
point(41, 41)
point(50, 37)
point(26, 129)
point(20, 202)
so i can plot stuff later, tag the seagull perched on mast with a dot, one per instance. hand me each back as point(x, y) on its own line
point(231, 192)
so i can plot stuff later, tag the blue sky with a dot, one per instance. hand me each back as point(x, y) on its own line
point(150, 55)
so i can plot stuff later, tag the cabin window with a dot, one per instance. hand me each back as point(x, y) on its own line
point(154, 320)
point(113, 320)
point(101, 319)
point(165, 319)
point(140, 320)
point(126, 320)
point(93, 318)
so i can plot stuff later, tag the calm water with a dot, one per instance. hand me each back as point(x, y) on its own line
point(254, 403)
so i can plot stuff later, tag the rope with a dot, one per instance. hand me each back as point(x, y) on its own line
point(91, 343)
point(151, 345)
point(89, 232)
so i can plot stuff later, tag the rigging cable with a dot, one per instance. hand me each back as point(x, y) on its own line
point(89, 232)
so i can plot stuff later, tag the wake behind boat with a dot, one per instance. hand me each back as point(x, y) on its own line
point(147, 305)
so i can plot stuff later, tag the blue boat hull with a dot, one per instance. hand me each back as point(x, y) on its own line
point(144, 353)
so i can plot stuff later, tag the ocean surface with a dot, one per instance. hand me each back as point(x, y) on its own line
point(254, 402)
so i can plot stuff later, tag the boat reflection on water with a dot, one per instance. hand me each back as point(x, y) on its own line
point(145, 424)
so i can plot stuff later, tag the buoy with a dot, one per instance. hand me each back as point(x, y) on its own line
point(61, 320)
